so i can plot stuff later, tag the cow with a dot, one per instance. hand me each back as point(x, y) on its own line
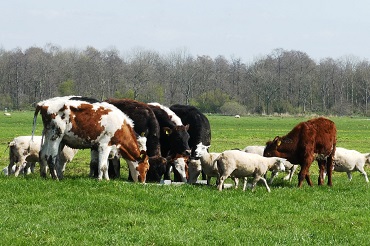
point(199, 127)
point(307, 141)
point(145, 122)
point(174, 136)
point(82, 123)
point(24, 153)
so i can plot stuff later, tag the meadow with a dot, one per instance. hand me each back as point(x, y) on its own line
point(82, 211)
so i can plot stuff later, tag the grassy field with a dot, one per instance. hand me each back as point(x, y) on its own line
point(82, 211)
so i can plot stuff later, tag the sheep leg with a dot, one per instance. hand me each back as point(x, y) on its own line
point(256, 179)
point(361, 170)
point(349, 175)
point(221, 184)
point(273, 175)
point(245, 183)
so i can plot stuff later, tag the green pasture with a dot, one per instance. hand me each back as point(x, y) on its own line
point(82, 211)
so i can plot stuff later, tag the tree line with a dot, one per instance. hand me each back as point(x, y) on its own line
point(284, 81)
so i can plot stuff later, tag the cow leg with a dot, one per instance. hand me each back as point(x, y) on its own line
point(329, 169)
point(103, 162)
point(114, 167)
point(94, 162)
point(304, 174)
point(58, 167)
point(321, 164)
point(49, 153)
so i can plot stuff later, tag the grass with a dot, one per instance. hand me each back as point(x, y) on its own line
point(82, 211)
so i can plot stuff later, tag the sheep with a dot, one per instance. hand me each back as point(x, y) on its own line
point(207, 161)
point(239, 164)
point(348, 161)
point(289, 167)
point(195, 168)
point(24, 150)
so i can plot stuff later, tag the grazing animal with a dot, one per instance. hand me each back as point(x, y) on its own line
point(289, 167)
point(207, 160)
point(145, 122)
point(348, 161)
point(174, 136)
point(195, 168)
point(24, 153)
point(307, 141)
point(199, 127)
point(82, 123)
point(180, 163)
point(239, 164)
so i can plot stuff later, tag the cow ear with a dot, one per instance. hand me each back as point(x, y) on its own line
point(187, 127)
point(167, 130)
point(278, 143)
point(142, 154)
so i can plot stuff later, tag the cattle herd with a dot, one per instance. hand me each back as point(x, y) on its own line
point(160, 142)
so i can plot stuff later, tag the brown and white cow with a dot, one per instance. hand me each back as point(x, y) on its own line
point(82, 123)
point(310, 140)
point(145, 122)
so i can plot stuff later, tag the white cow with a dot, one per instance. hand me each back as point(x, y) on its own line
point(24, 153)
point(239, 164)
point(348, 161)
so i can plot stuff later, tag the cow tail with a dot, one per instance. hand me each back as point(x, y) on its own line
point(34, 121)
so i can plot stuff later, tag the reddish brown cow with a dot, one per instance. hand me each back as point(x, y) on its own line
point(310, 140)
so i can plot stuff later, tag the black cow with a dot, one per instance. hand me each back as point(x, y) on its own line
point(199, 127)
point(174, 136)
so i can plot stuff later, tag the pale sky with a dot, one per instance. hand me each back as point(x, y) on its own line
point(243, 29)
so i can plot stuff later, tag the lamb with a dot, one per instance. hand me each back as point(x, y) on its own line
point(239, 164)
point(289, 167)
point(195, 168)
point(348, 161)
point(24, 153)
point(207, 161)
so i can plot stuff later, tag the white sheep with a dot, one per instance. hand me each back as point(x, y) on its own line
point(239, 164)
point(348, 161)
point(289, 167)
point(207, 161)
point(24, 153)
point(195, 168)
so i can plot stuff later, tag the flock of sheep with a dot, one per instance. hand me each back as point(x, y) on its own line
point(250, 162)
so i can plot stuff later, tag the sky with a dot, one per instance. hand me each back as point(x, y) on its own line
point(246, 29)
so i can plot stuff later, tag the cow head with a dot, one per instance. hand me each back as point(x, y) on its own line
point(143, 166)
point(279, 147)
point(157, 168)
point(179, 139)
point(180, 166)
point(271, 148)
